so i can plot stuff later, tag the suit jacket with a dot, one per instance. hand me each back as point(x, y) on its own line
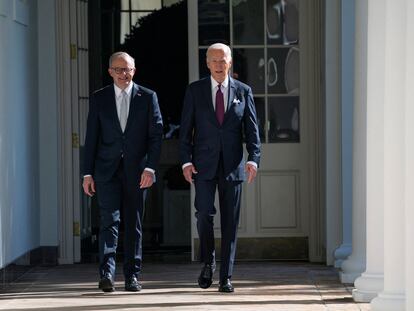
point(139, 145)
point(203, 140)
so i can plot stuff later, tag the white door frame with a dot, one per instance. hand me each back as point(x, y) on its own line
point(311, 37)
point(65, 193)
point(312, 13)
point(73, 91)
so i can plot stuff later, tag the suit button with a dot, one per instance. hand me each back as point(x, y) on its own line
point(123, 137)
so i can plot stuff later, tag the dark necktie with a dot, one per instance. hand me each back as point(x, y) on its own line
point(219, 105)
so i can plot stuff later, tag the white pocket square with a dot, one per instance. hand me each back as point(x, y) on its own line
point(236, 101)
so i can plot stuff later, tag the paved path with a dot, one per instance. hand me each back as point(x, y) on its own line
point(258, 286)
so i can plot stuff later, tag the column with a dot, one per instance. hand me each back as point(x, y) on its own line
point(355, 264)
point(347, 87)
point(409, 158)
point(333, 128)
point(371, 282)
point(392, 298)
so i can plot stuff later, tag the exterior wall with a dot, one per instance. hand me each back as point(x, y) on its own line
point(19, 198)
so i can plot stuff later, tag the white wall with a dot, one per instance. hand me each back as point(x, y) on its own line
point(19, 200)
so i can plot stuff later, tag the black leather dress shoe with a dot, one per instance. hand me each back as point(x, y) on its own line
point(106, 283)
point(206, 276)
point(225, 286)
point(132, 284)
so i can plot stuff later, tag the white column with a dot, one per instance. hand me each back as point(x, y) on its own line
point(347, 87)
point(392, 298)
point(333, 128)
point(193, 75)
point(355, 264)
point(409, 159)
point(371, 282)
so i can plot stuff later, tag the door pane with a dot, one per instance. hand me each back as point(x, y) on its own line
point(282, 22)
point(141, 5)
point(292, 71)
point(283, 71)
point(291, 22)
point(274, 22)
point(213, 22)
point(202, 66)
point(248, 67)
point(283, 119)
point(248, 22)
point(276, 58)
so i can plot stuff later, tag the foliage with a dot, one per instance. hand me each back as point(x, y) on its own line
point(159, 44)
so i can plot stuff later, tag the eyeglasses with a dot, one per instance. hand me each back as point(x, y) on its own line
point(119, 70)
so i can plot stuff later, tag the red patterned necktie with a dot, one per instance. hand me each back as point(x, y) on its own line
point(219, 105)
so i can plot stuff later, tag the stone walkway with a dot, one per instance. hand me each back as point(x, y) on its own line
point(258, 286)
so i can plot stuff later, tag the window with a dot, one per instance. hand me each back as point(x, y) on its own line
point(264, 37)
point(132, 10)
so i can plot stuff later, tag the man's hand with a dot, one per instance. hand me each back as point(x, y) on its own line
point(188, 172)
point(251, 172)
point(147, 179)
point(88, 185)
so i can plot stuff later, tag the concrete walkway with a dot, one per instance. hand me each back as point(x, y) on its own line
point(258, 286)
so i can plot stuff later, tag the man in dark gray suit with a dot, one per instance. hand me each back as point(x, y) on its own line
point(217, 111)
point(122, 150)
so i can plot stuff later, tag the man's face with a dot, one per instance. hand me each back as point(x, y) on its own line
point(122, 71)
point(218, 64)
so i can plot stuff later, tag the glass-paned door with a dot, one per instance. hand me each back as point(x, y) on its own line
point(266, 38)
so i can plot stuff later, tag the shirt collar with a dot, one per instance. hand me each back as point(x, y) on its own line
point(214, 83)
point(118, 91)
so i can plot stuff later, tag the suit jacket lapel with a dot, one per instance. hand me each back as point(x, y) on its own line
point(112, 108)
point(135, 94)
point(209, 100)
point(232, 94)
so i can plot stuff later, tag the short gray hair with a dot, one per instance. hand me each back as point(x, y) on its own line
point(220, 46)
point(121, 55)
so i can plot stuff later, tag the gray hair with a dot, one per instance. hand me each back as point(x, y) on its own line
point(220, 46)
point(123, 55)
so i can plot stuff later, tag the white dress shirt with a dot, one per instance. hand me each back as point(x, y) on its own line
point(224, 90)
point(119, 96)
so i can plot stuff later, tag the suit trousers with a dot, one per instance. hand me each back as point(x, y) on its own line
point(229, 202)
point(116, 195)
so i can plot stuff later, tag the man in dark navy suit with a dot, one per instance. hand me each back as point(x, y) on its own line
point(122, 150)
point(217, 112)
